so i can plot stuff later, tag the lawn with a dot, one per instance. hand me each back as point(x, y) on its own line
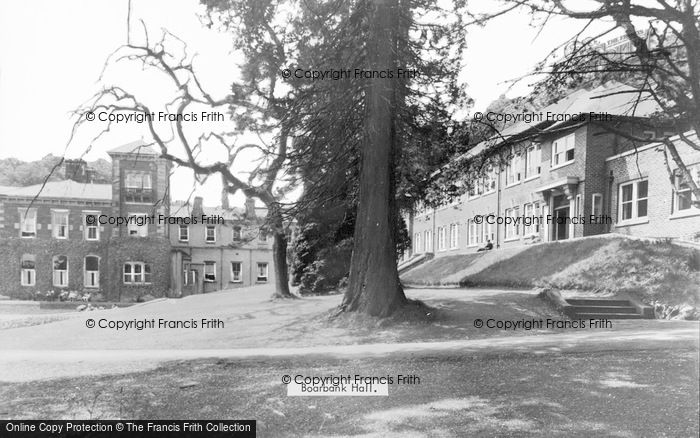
point(649, 271)
point(621, 393)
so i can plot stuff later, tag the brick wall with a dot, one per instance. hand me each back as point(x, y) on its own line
point(661, 220)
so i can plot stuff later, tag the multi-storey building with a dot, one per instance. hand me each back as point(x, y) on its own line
point(230, 249)
point(66, 236)
point(569, 177)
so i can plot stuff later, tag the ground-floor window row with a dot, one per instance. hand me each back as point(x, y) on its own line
point(236, 272)
point(633, 205)
point(133, 273)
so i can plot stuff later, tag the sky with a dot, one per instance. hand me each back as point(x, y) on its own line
point(52, 54)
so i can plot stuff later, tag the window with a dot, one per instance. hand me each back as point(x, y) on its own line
point(441, 238)
point(27, 218)
point(91, 229)
point(454, 236)
point(633, 200)
point(530, 224)
point(92, 272)
point(28, 271)
point(512, 228)
point(137, 273)
point(428, 241)
point(490, 181)
point(210, 234)
point(262, 271)
point(59, 223)
point(683, 197)
point(533, 160)
point(472, 237)
point(184, 233)
point(514, 170)
point(487, 231)
point(209, 272)
point(236, 234)
point(236, 271)
point(563, 150)
point(416, 242)
point(60, 271)
point(597, 202)
point(137, 187)
point(137, 225)
point(263, 236)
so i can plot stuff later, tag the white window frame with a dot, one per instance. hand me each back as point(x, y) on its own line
point(59, 276)
point(206, 233)
point(634, 201)
point(187, 233)
point(143, 275)
point(512, 230)
point(262, 275)
point(597, 204)
point(140, 230)
point(94, 226)
point(441, 239)
point(691, 210)
point(454, 236)
point(489, 181)
point(27, 275)
point(472, 237)
point(514, 170)
point(237, 278)
point(533, 154)
point(529, 212)
point(560, 148)
point(144, 178)
point(211, 275)
point(27, 223)
point(428, 241)
point(56, 226)
point(239, 231)
point(91, 275)
point(416, 243)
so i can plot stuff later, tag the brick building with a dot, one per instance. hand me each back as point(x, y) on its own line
point(230, 250)
point(540, 178)
point(63, 236)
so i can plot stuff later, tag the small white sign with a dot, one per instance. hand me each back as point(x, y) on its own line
point(346, 389)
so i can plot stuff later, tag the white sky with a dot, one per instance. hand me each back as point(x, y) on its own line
point(51, 54)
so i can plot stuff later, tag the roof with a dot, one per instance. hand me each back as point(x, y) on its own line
point(67, 189)
point(185, 210)
point(135, 147)
point(613, 98)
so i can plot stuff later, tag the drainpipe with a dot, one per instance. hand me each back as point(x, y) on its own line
point(498, 207)
point(433, 238)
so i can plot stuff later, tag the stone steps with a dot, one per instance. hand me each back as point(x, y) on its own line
point(600, 308)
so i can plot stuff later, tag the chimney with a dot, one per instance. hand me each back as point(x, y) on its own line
point(197, 207)
point(250, 208)
point(224, 199)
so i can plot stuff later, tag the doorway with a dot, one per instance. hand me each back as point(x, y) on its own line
point(561, 223)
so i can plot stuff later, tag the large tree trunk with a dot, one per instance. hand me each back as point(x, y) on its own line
point(279, 258)
point(374, 286)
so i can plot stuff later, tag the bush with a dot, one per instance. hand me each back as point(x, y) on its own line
point(329, 269)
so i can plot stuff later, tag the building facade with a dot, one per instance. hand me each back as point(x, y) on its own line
point(555, 181)
point(112, 242)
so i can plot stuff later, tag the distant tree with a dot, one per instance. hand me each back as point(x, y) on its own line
point(14, 172)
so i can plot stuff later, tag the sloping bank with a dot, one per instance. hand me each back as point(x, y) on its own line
point(653, 272)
